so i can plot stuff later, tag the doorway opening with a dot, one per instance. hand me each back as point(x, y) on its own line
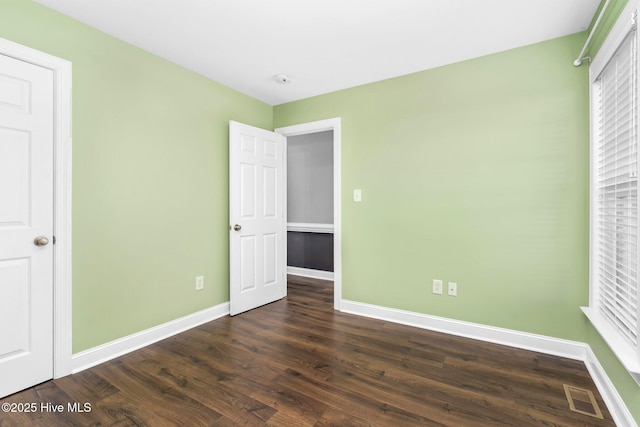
point(310, 205)
point(313, 203)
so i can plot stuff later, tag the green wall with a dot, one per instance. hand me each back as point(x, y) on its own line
point(476, 173)
point(150, 177)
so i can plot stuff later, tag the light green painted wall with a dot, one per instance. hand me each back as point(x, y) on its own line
point(150, 177)
point(477, 173)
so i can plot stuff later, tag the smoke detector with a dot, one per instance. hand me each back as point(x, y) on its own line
point(282, 78)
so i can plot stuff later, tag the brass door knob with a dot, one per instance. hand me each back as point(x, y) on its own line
point(41, 241)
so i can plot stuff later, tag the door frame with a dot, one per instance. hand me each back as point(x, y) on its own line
point(334, 125)
point(62, 327)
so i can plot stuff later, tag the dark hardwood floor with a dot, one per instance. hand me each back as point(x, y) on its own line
point(296, 362)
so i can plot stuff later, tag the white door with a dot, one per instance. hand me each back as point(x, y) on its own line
point(26, 214)
point(257, 217)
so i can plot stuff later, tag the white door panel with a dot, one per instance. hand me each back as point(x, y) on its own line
point(248, 257)
point(14, 306)
point(26, 211)
point(14, 178)
point(248, 195)
point(15, 93)
point(257, 248)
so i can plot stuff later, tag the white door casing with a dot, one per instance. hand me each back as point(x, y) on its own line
point(257, 239)
point(26, 212)
point(335, 125)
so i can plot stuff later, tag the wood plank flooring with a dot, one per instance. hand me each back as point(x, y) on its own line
point(297, 362)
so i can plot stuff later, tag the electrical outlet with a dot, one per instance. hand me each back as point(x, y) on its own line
point(199, 283)
point(453, 289)
point(437, 286)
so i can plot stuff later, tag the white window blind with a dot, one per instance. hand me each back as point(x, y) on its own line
point(615, 192)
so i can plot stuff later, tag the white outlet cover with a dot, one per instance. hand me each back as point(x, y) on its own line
point(453, 289)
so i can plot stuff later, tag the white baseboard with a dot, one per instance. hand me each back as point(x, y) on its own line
point(102, 353)
point(614, 402)
point(523, 340)
point(307, 272)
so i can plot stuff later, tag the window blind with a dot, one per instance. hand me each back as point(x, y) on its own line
point(616, 185)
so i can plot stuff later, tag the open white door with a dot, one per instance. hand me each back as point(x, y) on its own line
point(26, 225)
point(257, 240)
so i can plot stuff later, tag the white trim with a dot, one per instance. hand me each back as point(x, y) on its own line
point(310, 228)
point(308, 272)
point(105, 352)
point(62, 82)
point(624, 352)
point(616, 406)
point(523, 340)
point(335, 125)
point(527, 341)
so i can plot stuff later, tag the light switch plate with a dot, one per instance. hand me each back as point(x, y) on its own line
point(437, 286)
point(357, 195)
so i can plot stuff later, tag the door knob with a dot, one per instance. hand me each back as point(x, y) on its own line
point(237, 227)
point(41, 241)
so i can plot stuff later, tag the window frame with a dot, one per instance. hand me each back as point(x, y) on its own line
point(625, 351)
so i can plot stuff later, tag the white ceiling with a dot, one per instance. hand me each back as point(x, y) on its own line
point(325, 45)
